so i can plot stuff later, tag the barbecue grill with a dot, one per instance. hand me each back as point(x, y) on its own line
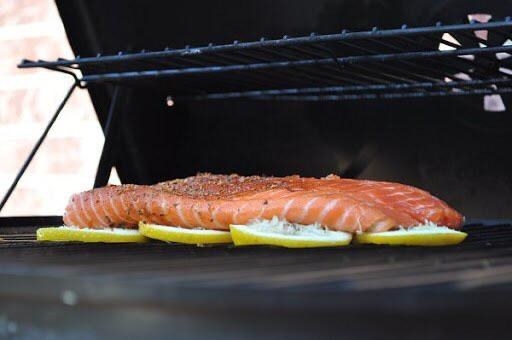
point(414, 104)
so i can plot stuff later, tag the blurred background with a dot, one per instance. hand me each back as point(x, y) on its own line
point(67, 160)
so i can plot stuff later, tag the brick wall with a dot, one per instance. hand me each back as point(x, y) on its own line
point(67, 160)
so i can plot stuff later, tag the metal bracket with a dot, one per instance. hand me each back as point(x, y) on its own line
point(111, 132)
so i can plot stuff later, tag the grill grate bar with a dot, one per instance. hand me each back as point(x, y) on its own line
point(190, 52)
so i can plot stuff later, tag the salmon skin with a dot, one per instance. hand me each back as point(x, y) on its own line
point(216, 201)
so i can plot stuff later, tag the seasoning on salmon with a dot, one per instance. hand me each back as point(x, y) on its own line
point(216, 201)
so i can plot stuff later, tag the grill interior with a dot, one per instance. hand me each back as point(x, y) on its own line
point(393, 63)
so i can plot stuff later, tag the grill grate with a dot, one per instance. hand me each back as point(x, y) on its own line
point(225, 292)
point(396, 63)
point(483, 261)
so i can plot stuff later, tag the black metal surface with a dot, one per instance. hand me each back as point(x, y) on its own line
point(394, 63)
point(25, 222)
point(484, 260)
point(227, 286)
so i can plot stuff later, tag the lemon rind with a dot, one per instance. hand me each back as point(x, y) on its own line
point(412, 238)
point(89, 235)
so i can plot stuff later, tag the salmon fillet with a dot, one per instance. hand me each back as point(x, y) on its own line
point(216, 201)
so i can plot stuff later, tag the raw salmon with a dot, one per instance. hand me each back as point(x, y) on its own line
point(216, 201)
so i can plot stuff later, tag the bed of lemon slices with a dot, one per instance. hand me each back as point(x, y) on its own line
point(184, 235)
point(272, 232)
point(106, 235)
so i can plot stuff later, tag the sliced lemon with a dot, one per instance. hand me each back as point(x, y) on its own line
point(287, 235)
point(424, 235)
point(184, 235)
point(107, 235)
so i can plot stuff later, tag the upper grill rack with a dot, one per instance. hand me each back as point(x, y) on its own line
point(406, 62)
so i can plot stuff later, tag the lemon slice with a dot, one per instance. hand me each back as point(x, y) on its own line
point(184, 235)
point(107, 235)
point(424, 235)
point(284, 234)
